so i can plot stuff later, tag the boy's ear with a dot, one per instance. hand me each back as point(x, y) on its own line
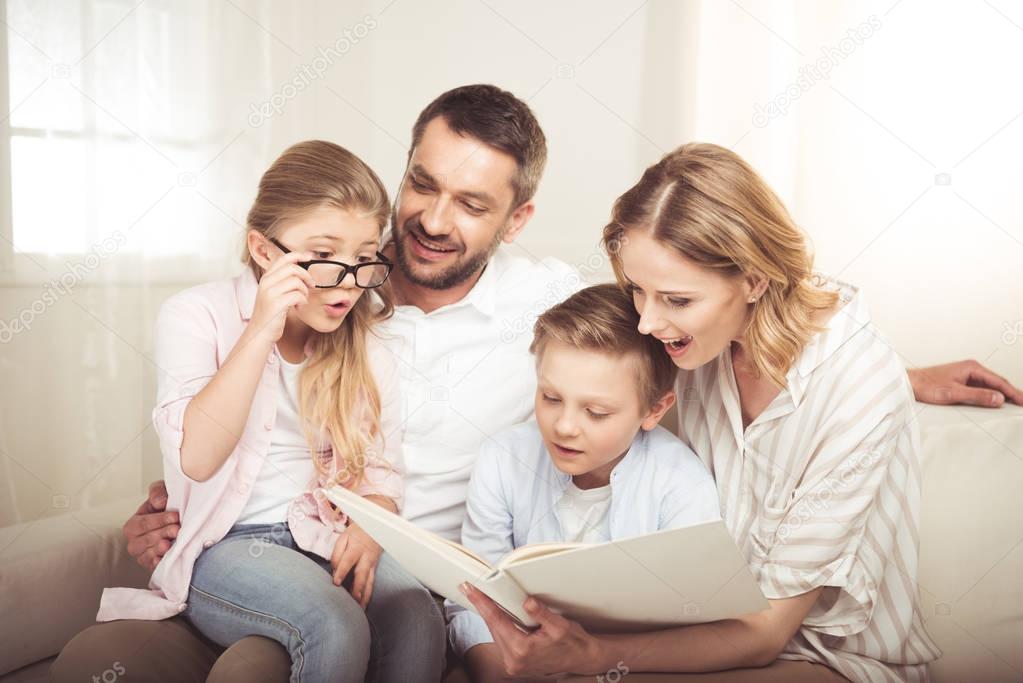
point(657, 411)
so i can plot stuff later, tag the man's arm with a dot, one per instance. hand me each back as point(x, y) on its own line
point(152, 530)
point(967, 382)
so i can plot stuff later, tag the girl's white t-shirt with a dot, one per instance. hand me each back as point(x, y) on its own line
point(288, 467)
point(583, 514)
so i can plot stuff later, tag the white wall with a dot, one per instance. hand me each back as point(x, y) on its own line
point(933, 90)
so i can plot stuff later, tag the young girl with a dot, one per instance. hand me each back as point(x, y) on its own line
point(271, 386)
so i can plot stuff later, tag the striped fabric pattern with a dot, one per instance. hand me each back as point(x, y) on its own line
point(823, 489)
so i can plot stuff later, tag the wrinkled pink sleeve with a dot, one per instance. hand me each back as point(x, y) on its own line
point(185, 356)
point(314, 523)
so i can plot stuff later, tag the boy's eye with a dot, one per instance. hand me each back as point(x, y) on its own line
point(551, 399)
point(597, 416)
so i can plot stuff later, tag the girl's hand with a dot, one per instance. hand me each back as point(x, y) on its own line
point(557, 646)
point(281, 287)
point(356, 550)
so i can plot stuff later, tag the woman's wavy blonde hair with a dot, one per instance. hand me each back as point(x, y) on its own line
point(337, 376)
point(708, 205)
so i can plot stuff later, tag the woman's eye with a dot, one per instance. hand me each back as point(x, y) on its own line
point(679, 303)
point(322, 254)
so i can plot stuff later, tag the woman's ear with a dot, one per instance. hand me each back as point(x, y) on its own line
point(259, 249)
point(756, 285)
point(657, 411)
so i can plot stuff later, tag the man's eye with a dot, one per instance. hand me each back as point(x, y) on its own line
point(419, 186)
point(473, 209)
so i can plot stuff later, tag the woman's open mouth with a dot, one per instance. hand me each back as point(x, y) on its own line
point(678, 346)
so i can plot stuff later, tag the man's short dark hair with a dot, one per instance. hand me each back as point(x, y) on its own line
point(498, 119)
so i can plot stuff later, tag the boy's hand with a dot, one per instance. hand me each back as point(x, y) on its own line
point(356, 550)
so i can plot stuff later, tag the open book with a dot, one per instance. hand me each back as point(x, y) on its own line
point(667, 578)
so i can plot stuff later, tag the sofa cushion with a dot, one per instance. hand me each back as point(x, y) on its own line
point(971, 541)
point(52, 571)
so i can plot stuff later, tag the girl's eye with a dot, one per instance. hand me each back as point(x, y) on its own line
point(364, 259)
point(322, 254)
point(679, 303)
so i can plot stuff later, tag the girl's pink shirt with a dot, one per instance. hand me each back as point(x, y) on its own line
point(195, 331)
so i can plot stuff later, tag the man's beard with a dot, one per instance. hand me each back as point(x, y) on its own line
point(460, 271)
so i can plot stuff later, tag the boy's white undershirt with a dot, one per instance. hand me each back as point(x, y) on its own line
point(583, 514)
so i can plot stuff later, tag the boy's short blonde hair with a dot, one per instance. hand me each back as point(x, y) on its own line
point(603, 318)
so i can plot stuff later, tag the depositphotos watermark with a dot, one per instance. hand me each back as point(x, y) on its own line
point(307, 73)
point(813, 73)
point(74, 272)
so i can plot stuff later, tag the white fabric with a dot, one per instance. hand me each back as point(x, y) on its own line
point(288, 466)
point(583, 514)
point(466, 373)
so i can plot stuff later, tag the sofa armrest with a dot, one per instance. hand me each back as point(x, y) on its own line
point(52, 571)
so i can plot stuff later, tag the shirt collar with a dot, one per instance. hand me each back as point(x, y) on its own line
point(852, 317)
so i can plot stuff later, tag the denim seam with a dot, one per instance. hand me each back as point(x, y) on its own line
point(260, 616)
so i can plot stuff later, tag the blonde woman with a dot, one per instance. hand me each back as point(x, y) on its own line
point(804, 415)
point(272, 385)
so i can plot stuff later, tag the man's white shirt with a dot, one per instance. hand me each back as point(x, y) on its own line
point(467, 374)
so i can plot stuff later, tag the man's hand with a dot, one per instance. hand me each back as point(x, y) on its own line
point(151, 530)
point(355, 550)
point(966, 382)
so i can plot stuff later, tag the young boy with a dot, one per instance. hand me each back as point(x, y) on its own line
point(594, 466)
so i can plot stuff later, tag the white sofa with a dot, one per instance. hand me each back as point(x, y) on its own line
point(971, 547)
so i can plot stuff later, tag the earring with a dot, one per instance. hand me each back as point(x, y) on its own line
point(752, 299)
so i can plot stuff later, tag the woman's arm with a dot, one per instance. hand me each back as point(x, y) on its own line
point(215, 417)
point(560, 645)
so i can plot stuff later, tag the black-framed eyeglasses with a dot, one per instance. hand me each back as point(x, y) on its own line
point(327, 274)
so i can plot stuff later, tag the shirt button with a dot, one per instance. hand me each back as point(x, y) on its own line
point(243, 488)
point(181, 607)
point(268, 426)
point(208, 543)
point(271, 360)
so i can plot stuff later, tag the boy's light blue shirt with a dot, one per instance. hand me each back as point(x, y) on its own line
point(515, 488)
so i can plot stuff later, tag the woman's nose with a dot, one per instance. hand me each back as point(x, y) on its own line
point(649, 321)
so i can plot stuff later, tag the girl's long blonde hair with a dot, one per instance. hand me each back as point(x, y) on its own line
point(336, 383)
point(708, 205)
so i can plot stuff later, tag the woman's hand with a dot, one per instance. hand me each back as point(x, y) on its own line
point(355, 550)
point(557, 646)
point(281, 287)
